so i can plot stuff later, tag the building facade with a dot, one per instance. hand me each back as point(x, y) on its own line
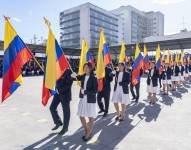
point(126, 23)
point(85, 21)
point(139, 24)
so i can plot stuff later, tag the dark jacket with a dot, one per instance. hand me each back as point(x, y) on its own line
point(182, 70)
point(189, 67)
point(186, 68)
point(153, 78)
point(124, 83)
point(64, 84)
point(107, 80)
point(176, 70)
point(91, 87)
point(167, 73)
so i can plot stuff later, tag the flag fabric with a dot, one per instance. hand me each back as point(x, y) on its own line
point(176, 58)
point(84, 57)
point(137, 65)
point(16, 55)
point(182, 56)
point(56, 64)
point(100, 69)
point(122, 53)
point(167, 60)
point(105, 50)
point(145, 59)
point(158, 57)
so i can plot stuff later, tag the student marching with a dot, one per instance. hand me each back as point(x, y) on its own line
point(100, 83)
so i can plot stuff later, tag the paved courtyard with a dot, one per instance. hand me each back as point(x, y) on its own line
point(26, 124)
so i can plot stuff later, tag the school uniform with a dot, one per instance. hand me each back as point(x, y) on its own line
point(105, 93)
point(189, 69)
point(166, 76)
point(63, 96)
point(176, 72)
point(186, 73)
point(152, 81)
point(181, 74)
point(121, 88)
point(137, 86)
point(87, 103)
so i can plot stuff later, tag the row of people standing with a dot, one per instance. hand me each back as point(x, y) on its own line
point(89, 93)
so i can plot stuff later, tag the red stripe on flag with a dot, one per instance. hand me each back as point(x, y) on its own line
point(14, 71)
point(61, 66)
point(45, 94)
point(100, 85)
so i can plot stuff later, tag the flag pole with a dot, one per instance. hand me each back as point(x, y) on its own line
point(48, 25)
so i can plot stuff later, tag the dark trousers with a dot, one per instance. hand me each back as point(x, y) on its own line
point(106, 96)
point(160, 81)
point(137, 87)
point(66, 110)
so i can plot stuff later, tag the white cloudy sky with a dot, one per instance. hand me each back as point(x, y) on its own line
point(27, 14)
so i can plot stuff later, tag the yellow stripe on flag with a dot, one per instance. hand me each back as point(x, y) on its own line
point(137, 51)
point(50, 79)
point(158, 53)
point(83, 56)
point(100, 70)
point(122, 53)
point(9, 34)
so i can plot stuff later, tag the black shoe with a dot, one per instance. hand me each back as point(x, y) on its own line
point(121, 119)
point(137, 100)
point(86, 139)
point(57, 126)
point(105, 114)
point(100, 111)
point(63, 131)
point(133, 98)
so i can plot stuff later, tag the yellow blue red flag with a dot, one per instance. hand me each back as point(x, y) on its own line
point(85, 57)
point(122, 53)
point(55, 65)
point(100, 70)
point(158, 57)
point(16, 55)
point(137, 65)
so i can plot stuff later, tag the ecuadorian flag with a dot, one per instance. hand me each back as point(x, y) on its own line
point(56, 64)
point(122, 53)
point(158, 57)
point(16, 54)
point(101, 60)
point(145, 59)
point(137, 65)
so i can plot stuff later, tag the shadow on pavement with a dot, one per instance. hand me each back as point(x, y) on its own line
point(107, 134)
point(150, 113)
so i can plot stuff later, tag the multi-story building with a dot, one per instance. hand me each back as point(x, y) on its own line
point(139, 24)
point(126, 23)
point(85, 21)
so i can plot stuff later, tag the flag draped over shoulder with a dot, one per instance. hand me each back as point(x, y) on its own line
point(122, 53)
point(55, 65)
point(16, 54)
point(158, 57)
point(137, 65)
point(145, 59)
point(102, 52)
